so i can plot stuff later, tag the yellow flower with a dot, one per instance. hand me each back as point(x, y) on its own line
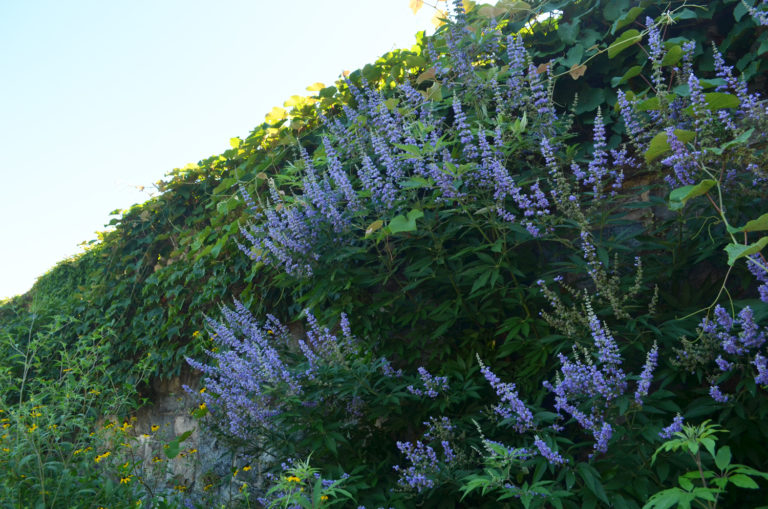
point(243, 486)
point(100, 457)
point(196, 333)
point(192, 451)
point(236, 472)
point(203, 390)
point(78, 451)
point(293, 478)
point(4, 436)
point(125, 480)
point(109, 425)
point(5, 449)
point(125, 465)
point(324, 497)
point(201, 406)
point(5, 425)
point(36, 414)
point(126, 426)
point(94, 391)
point(156, 459)
point(246, 468)
point(207, 487)
point(66, 370)
point(32, 428)
point(144, 435)
point(180, 488)
point(155, 427)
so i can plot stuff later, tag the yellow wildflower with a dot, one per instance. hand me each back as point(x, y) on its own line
point(155, 427)
point(94, 391)
point(180, 488)
point(5, 449)
point(203, 390)
point(207, 487)
point(192, 451)
point(100, 457)
point(32, 428)
point(126, 426)
point(246, 468)
point(293, 478)
point(236, 472)
point(36, 414)
point(243, 487)
point(156, 459)
point(125, 480)
point(201, 406)
point(324, 497)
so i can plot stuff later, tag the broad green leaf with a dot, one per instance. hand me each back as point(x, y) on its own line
point(415, 60)
point(717, 101)
point(742, 481)
point(235, 142)
point(631, 73)
point(400, 223)
point(678, 197)
point(624, 41)
point(626, 19)
point(736, 251)
point(740, 140)
point(435, 92)
point(613, 10)
point(649, 104)
point(673, 56)
point(756, 225)
point(172, 449)
point(723, 458)
point(660, 145)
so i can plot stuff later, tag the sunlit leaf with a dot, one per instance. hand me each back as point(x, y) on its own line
point(235, 142)
point(756, 225)
point(276, 115)
point(374, 226)
point(416, 5)
point(314, 87)
point(439, 18)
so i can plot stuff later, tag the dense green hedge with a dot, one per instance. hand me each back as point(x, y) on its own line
point(437, 279)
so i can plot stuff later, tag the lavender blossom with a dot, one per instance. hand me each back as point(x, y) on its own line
point(714, 392)
point(465, 134)
point(647, 374)
point(514, 407)
point(433, 385)
point(675, 427)
point(553, 457)
point(757, 266)
point(761, 364)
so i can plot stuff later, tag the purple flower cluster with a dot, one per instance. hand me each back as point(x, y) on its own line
point(553, 457)
point(424, 464)
point(433, 385)
point(248, 382)
point(646, 376)
point(512, 406)
point(675, 427)
point(758, 266)
point(738, 337)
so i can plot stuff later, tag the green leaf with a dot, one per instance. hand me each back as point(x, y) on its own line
point(717, 101)
point(736, 251)
point(660, 145)
point(567, 32)
point(174, 445)
point(649, 104)
point(743, 481)
point(614, 9)
point(400, 223)
point(756, 225)
point(673, 56)
point(739, 140)
point(631, 73)
point(624, 41)
point(626, 19)
point(678, 197)
point(723, 458)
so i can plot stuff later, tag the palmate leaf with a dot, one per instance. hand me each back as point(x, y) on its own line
point(736, 251)
point(678, 197)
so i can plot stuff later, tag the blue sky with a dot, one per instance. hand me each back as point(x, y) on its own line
point(99, 98)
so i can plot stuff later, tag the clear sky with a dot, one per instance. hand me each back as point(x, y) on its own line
point(101, 97)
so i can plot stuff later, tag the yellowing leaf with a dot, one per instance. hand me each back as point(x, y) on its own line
point(488, 11)
point(577, 71)
point(542, 68)
point(373, 227)
point(416, 5)
point(235, 142)
point(276, 115)
point(314, 87)
point(439, 18)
